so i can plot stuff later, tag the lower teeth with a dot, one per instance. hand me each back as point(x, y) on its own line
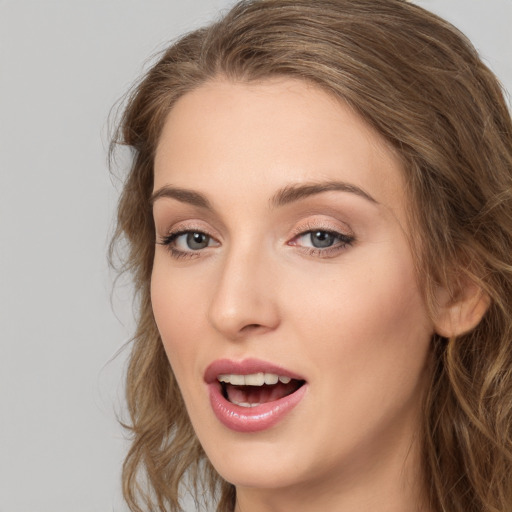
point(244, 404)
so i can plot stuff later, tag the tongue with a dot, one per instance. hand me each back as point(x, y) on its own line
point(260, 394)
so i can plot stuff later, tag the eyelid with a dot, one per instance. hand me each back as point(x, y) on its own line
point(191, 225)
point(173, 236)
point(180, 228)
point(321, 224)
point(345, 238)
point(342, 232)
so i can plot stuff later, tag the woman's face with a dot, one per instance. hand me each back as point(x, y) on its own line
point(282, 255)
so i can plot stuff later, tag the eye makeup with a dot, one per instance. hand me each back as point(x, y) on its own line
point(317, 239)
point(321, 238)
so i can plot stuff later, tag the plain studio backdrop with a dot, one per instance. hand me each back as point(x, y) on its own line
point(63, 64)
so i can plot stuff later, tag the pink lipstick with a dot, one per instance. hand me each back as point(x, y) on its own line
point(252, 395)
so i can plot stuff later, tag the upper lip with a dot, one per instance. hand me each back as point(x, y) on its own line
point(245, 367)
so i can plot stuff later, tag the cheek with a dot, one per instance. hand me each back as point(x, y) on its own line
point(366, 317)
point(176, 309)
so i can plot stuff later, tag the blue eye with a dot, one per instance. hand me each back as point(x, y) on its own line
point(322, 243)
point(322, 239)
point(183, 243)
point(195, 240)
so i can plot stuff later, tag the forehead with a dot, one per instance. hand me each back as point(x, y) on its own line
point(259, 136)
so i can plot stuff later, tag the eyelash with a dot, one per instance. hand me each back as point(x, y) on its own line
point(342, 241)
point(177, 254)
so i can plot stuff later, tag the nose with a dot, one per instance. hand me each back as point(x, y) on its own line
point(245, 301)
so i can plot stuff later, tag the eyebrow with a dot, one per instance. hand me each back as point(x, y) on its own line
point(181, 194)
point(294, 193)
point(286, 195)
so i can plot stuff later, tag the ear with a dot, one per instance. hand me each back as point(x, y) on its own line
point(462, 313)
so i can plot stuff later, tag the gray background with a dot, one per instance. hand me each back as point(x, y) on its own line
point(63, 64)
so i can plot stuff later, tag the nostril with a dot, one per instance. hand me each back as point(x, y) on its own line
point(251, 327)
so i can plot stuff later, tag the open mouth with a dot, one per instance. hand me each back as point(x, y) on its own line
point(257, 388)
point(252, 395)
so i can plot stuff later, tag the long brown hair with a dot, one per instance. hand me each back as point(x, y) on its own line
point(419, 82)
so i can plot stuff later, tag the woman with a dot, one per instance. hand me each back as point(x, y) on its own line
point(319, 224)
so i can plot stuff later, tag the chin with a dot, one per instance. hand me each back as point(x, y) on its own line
point(261, 474)
point(256, 461)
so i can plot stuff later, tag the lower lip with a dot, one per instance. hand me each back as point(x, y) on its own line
point(252, 419)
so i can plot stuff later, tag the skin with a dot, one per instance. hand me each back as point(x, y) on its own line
point(350, 319)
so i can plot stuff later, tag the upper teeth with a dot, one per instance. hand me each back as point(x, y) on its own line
point(254, 379)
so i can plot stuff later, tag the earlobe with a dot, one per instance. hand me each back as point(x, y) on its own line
point(456, 316)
